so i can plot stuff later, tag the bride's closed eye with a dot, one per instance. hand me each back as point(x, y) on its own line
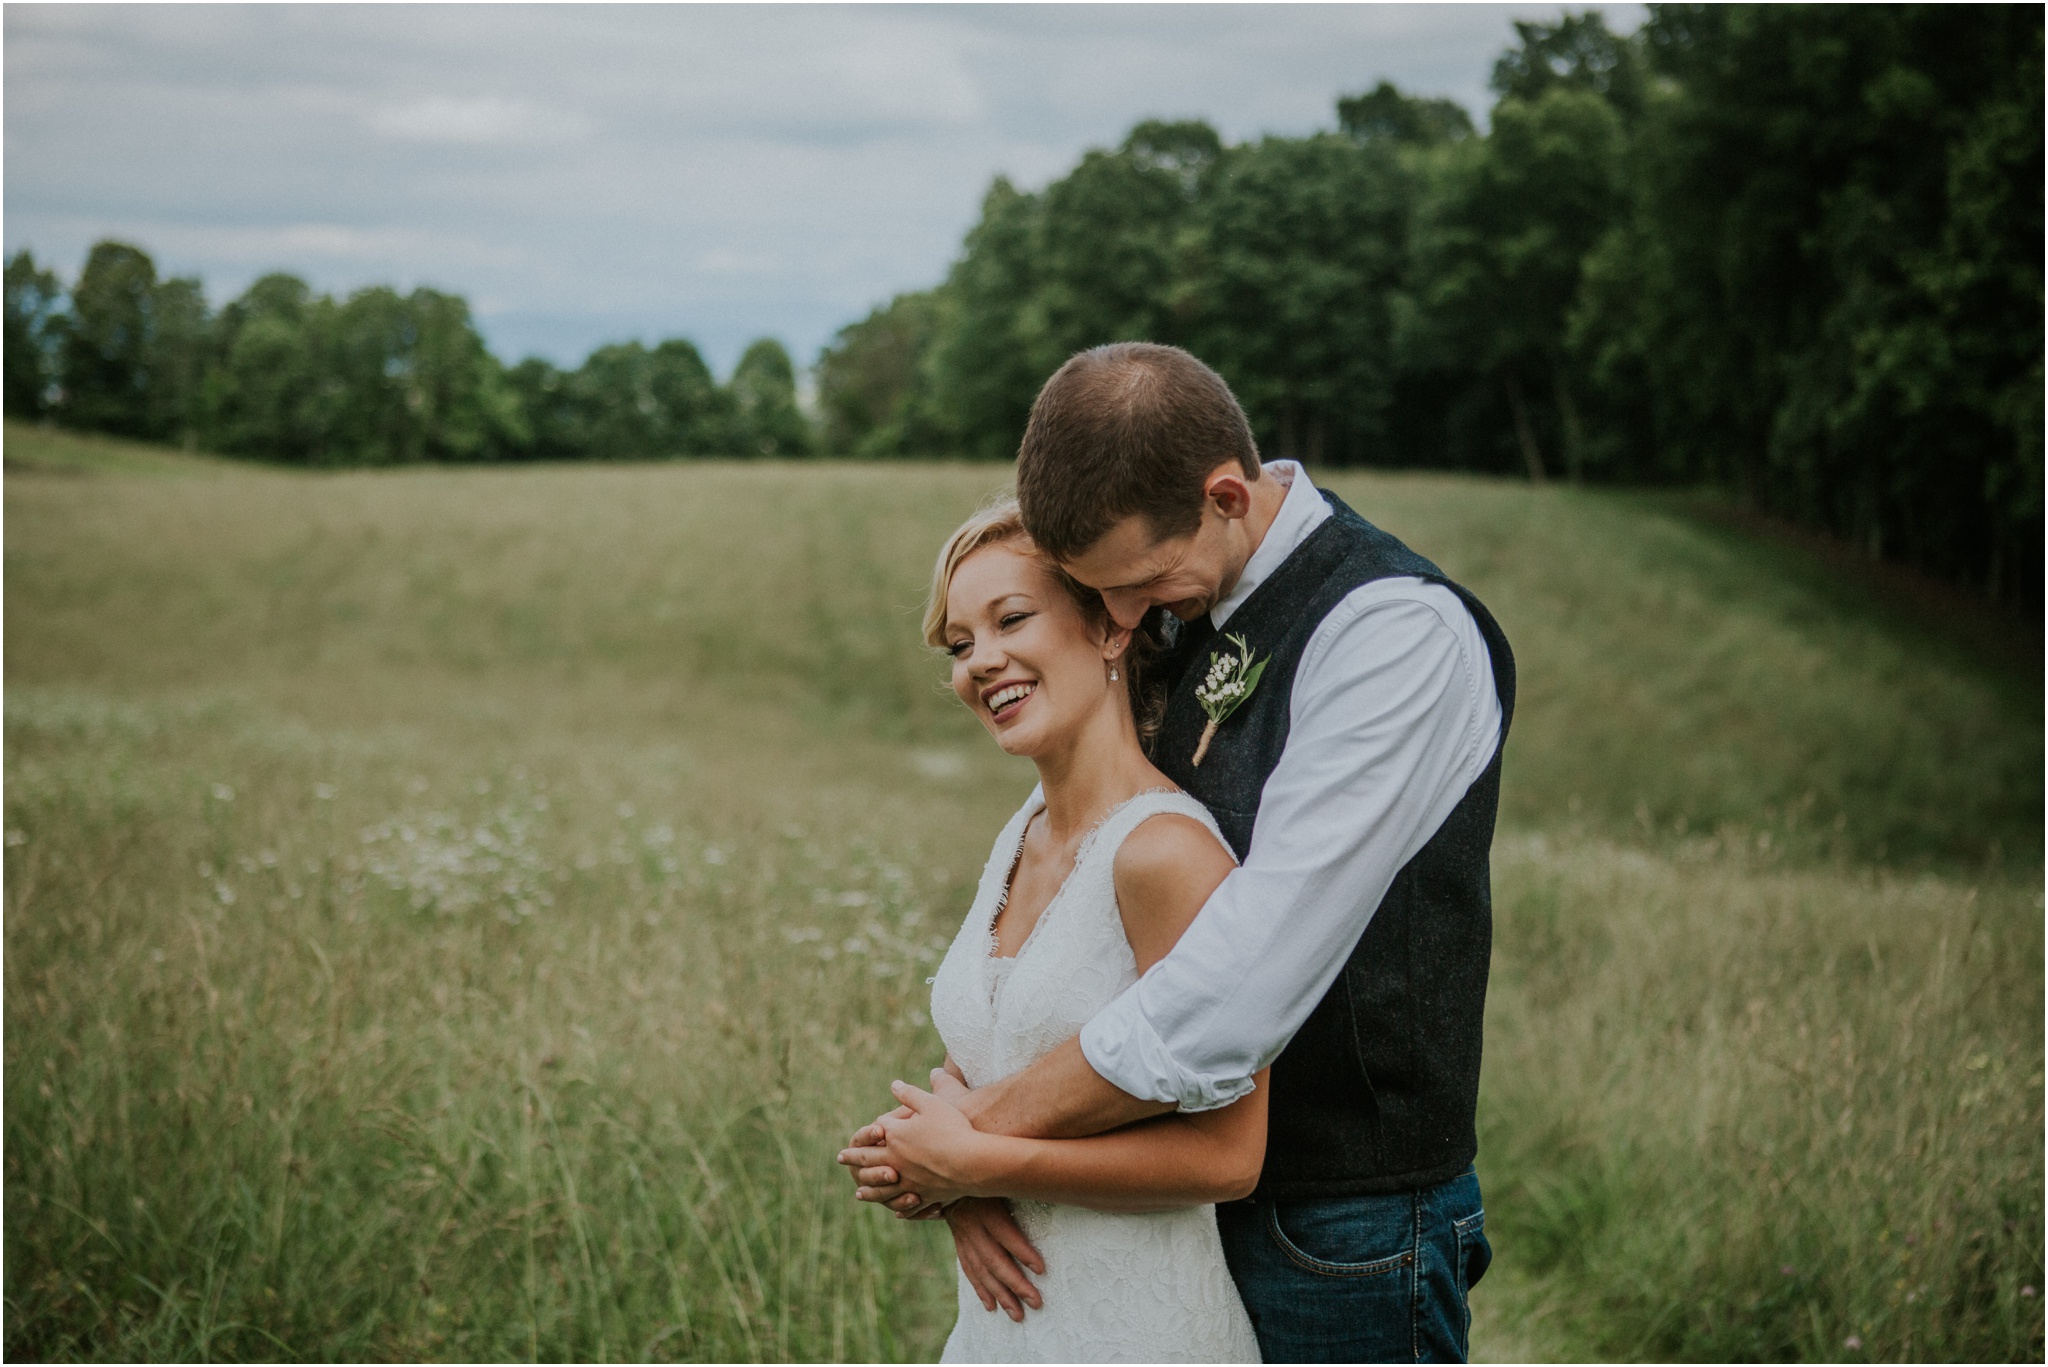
point(1006, 621)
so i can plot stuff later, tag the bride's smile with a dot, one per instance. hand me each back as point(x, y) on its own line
point(1004, 700)
point(1027, 661)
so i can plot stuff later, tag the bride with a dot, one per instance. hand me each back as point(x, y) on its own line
point(1090, 883)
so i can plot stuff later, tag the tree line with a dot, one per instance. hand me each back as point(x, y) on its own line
point(378, 378)
point(1793, 251)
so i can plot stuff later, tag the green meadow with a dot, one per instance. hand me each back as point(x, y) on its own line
point(459, 913)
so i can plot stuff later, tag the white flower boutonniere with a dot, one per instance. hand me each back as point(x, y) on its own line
point(1231, 680)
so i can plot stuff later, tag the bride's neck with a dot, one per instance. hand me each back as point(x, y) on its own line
point(1099, 767)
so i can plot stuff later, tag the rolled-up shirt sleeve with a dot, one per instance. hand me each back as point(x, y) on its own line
point(1392, 717)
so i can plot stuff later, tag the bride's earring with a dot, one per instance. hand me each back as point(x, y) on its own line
point(1112, 673)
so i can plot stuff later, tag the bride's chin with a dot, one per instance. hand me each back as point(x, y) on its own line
point(1015, 746)
point(1021, 742)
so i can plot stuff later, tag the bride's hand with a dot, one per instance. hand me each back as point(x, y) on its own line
point(934, 1151)
point(994, 1254)
point(881, 1183)
point(878, 1182)
point(871, 1134)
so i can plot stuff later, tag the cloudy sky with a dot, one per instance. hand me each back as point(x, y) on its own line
point(587, 174)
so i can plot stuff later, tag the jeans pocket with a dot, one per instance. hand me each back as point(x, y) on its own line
point(1345, 1239)
point(1469, 1261)
point(1475, 1254)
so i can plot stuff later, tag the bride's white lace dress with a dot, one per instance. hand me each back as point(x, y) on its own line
point(1117, 1288)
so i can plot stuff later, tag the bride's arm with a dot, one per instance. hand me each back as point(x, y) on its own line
point(1165, 871)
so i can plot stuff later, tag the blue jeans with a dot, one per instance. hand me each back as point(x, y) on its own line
point(1360, 1278)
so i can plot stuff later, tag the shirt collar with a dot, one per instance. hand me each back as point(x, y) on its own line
point(1302, 512)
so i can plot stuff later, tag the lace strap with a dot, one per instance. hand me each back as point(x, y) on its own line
point(1002, 857)
point(1109, 837)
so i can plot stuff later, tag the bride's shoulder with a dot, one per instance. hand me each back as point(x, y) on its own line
point(1162, 840)
point(1165, 869)
point(1167, 850)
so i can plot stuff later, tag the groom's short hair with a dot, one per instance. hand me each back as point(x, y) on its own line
point(1132, 428)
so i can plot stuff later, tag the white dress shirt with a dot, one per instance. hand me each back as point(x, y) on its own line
point(1393, 717)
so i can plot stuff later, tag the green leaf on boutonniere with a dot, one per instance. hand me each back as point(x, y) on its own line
point(1231, 680)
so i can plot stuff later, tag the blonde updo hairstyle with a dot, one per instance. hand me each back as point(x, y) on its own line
point(1000, 522)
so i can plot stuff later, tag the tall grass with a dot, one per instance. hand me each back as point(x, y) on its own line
point(459, 914)
point(506, 1071)
point(1740, 1112)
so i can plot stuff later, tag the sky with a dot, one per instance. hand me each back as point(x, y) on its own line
point(593, 173)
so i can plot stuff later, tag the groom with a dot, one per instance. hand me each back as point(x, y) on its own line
point(1357, 783)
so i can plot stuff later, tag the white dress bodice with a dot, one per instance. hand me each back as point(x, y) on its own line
point(1117, 1287)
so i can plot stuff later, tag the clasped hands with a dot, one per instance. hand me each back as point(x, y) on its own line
point(918, 1160)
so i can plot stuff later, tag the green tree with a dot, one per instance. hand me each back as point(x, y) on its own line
point(34, 336)
point(1387, 114)
point(1111, 239)
point(275, 390)
point(1578, 52)
point(1303, 246)
point(106, 350)
point(1829, 283)
point(461, 407)
point(180, 343)
point(407, 378)
point(554, 426)
point(634, 403)
point(989, 354)
point(1098, 256)
point(697, 411)
point(1501, 240)
point(372, 350)
point(765, 413)
point(874, 385)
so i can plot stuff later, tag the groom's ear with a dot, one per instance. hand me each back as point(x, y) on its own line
point(1228, 490)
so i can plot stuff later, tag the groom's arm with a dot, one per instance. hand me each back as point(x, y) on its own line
point(1059, 1097)
point(1062, 1097)
point(1392, 718)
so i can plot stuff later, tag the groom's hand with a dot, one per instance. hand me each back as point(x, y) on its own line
point(994, 1254)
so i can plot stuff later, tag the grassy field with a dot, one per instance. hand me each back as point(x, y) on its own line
point(459, 913)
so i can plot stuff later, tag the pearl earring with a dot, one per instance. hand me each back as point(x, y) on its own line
point(1112, 673)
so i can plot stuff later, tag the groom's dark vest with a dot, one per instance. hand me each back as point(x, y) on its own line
point(1377, 1091)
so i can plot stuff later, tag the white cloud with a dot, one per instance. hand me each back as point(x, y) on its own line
point(599, 172)
point(739, 263)
point(479, 122)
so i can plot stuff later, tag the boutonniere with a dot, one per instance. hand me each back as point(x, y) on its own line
point(1231, 680)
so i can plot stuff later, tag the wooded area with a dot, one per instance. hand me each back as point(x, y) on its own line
point(377, 379)
point(1790, 251)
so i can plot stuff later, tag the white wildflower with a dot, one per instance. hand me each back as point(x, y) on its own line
point(1230, 681)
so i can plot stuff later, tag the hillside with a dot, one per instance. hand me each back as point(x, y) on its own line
point(458, 912)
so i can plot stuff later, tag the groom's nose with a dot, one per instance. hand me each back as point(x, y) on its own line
point(1127, 607)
